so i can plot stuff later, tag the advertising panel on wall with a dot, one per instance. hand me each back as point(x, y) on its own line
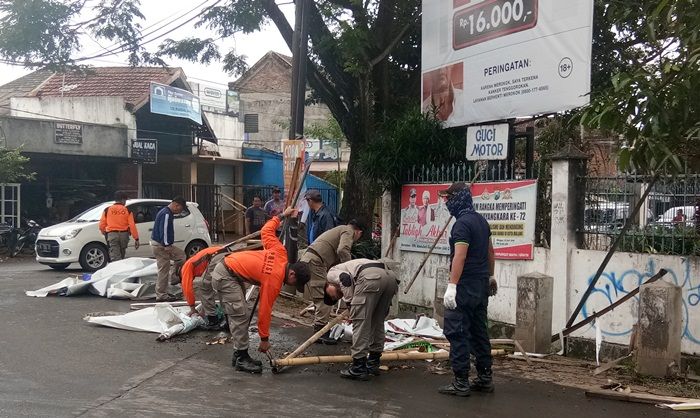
point(485, 60)
point(212, 96)
point(172, 101)
point(509, 208)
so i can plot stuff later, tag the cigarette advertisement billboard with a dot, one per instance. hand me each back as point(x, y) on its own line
point(486, 60)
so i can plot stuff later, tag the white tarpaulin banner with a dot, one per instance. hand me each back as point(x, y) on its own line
point(132, 278)
point(162, 319)
point(485, 60)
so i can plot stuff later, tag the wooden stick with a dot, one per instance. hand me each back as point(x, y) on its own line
point(386, 356)
point(636, 397)
point(611, 251)
point(617, 303)
point(609, 365)
point(427, 256)
point(338, 319)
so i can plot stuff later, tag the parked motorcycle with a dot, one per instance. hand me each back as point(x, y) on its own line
point(23, 238)
point(5, 232)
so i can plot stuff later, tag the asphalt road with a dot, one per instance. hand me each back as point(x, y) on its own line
point(53, 364)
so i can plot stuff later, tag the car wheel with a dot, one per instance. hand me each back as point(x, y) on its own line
point(60, 267)
point(94, 257)
point(194, 247)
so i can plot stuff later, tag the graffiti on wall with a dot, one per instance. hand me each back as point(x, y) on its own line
point(612, 286)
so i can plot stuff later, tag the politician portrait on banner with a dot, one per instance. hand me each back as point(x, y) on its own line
point(508, 206)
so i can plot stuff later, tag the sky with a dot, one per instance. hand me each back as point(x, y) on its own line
point(254, 46)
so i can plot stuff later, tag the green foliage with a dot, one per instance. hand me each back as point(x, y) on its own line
point(411, 140)
point(653, 93)
point(336, 177)
point(673, 240)
point(367, 248)
point(329, 130)
point(12, 166)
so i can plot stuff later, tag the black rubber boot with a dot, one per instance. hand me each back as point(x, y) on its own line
point(373, 364)
point(357, 371)
point(212, 324)
point(483, 382)
point(325, 338)
point(245, 363)
point(458, 387)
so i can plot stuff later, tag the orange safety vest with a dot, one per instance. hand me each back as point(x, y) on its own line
point(118, 218)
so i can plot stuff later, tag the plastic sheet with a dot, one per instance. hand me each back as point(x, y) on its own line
point(163, 319)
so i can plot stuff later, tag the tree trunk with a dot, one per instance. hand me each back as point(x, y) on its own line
point(359, 195)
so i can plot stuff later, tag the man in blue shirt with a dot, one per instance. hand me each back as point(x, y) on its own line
point(164, 250)
point(467, 296)
point(320, 218)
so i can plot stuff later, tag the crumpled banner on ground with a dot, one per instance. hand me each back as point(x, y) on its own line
point(132, 278)
point(400, 333)
point(163, 319)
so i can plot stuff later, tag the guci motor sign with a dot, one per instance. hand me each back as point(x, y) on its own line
point(487, 142)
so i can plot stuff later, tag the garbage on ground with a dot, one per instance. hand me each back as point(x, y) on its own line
point(133, 278)
point(401, 334)
point(163, 319)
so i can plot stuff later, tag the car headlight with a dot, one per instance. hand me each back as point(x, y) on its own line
point(72, 234)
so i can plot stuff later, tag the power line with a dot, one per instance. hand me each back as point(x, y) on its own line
point(123, 47)
point(136, 129)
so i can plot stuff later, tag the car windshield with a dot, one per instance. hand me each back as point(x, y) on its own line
point(93, 214)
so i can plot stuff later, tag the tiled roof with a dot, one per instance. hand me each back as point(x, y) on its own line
point(21, 87)
point(272, 73)
point(131, 83)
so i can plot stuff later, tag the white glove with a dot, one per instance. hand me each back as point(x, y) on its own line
point(450, 298)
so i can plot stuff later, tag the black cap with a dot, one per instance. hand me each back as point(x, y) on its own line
point(454, 188)
point(275, 189)
point(180, 200)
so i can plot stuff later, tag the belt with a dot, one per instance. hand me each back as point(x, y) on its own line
point(369, 265)
point(126, 230)
point(314, 252)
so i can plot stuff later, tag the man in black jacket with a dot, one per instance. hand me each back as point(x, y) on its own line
point(320, 218)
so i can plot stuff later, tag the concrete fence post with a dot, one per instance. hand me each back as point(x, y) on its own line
point(533, 318)
point(659, 329)
point(568, 203)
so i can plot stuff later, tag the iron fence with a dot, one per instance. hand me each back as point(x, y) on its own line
point(210, 201)
point(667, 222)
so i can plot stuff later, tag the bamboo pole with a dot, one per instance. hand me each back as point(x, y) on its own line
point(386, 356)
point(338, 319)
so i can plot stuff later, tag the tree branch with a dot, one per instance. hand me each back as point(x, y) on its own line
point(382, 55)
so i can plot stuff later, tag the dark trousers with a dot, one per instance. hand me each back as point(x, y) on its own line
point(465, 327)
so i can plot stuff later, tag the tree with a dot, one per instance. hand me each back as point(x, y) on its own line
point(12, 166)
point(650, 90)
point(364, 56)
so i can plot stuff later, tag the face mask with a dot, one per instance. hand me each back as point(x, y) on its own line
point(460, 203)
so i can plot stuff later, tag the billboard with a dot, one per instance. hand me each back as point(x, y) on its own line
point(485, 60)
point(172, 101)
point(508, 206)
point(212, 96)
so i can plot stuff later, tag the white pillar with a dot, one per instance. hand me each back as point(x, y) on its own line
point(567, 215)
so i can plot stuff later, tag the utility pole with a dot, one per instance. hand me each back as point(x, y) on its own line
point(298, 97)
point(299, 57)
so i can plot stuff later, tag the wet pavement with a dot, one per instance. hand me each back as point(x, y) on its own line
point(54, 364)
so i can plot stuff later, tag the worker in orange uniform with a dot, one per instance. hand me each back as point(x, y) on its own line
point(267, 268)
point(196, 279)
point(116, 223)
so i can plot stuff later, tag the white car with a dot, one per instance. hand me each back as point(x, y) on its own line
point(79, 240)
